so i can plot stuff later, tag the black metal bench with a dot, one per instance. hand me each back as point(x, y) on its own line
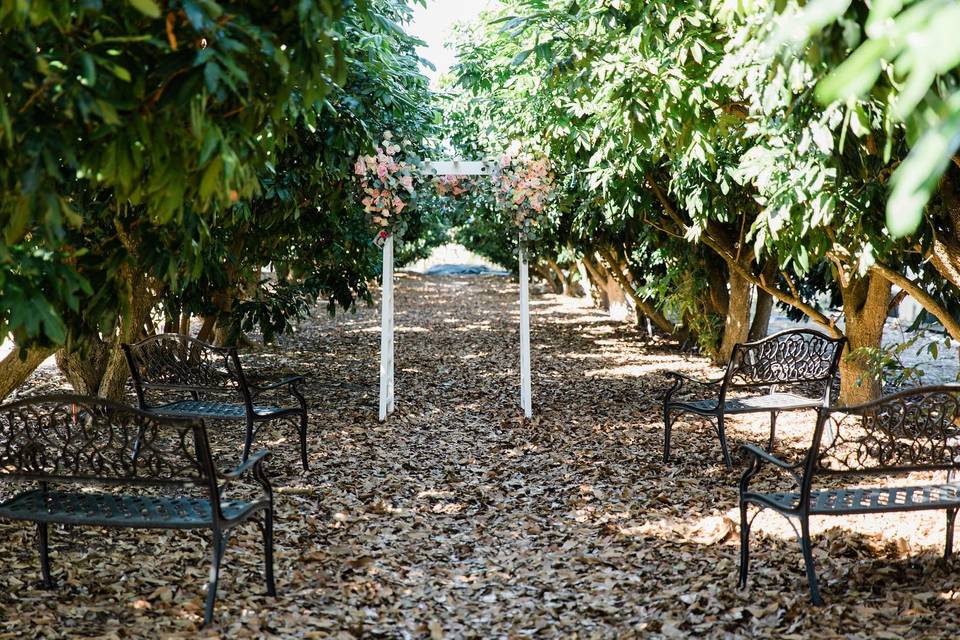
point(93, 462)
point(797, 359)
point(207, 382)
point(913, 431)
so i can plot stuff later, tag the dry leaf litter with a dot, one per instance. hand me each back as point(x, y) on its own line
point(459, 519)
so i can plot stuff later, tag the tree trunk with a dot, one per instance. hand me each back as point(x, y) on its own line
point(101, 368)
point(184, 328)
point(585, 282)
point(761, 317)
point(564, 281)
point(171, 322)
point(599, 282)
point(642, 305)
point(14, 371)
point(615, 294)
point(84, 369)
point(718, 295)
point(736, 326)
point(865, 303)
point(944, 252)
point(544, 274)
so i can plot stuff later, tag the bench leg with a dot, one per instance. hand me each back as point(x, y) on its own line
point(268, 551)
point(303, 425)
point(773, 430)
point(248, 440)
point(303, 441)
point(806, 548)
point(744, 545)
point(667, 426)
point(219, 543)
point(43, 535)
point(722, 433)
point(951, 521)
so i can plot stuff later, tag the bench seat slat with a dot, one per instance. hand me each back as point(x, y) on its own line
point(213, 410)
point(870, 500)
point(754, 404)
point(117, 510)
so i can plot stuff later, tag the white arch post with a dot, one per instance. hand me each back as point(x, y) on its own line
point(449, 168)
point(526, 394)
point(386, 332)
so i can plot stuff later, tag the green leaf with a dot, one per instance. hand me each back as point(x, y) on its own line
point(917, 178)
point(211, 177)
point(89, 69)
point(856, 75)
point(521, 57)
point(211, 75)
point(859, 122)
point(14, 229)
point(146, 7)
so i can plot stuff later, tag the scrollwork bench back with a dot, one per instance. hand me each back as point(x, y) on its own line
point(898, 453)
point(84, 461)
point(792, 370)
point(181, 376)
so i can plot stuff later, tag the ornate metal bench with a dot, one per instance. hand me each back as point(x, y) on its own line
point(797, 359)
point(97, 463)
point(917, 430)
point(207, 382)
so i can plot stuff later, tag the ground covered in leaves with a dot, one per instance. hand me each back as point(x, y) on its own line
point(458, 519)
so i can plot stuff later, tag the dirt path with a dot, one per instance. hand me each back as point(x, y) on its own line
point(457, 519)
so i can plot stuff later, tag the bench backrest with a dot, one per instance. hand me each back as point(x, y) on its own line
point(913, 430)
point(789, 357)
point(78, 439)
point(175, 362)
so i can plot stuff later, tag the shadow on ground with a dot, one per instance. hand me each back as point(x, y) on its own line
point(459, 519)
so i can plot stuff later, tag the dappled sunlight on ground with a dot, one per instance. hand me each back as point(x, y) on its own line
point(458, 518)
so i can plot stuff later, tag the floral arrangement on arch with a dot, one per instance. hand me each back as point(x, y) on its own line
point(387, 183)
point(525, 187)
point(454, 186)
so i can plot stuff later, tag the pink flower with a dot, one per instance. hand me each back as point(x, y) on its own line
point(382, 171)
point(407, 182)
point(505, 160)
point(360, 168)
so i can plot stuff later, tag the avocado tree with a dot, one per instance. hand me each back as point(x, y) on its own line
point(704, 164)
point(148, 143)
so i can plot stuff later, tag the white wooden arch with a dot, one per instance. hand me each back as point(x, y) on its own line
point(450, 168)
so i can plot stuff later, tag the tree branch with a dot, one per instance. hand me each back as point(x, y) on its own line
point(785, 298)
point(922, 297)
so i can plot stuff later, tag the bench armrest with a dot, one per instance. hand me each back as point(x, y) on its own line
point(253, 462)
point(757, 452)
point(759, 457)
point(291, 380)
point(681, 378)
